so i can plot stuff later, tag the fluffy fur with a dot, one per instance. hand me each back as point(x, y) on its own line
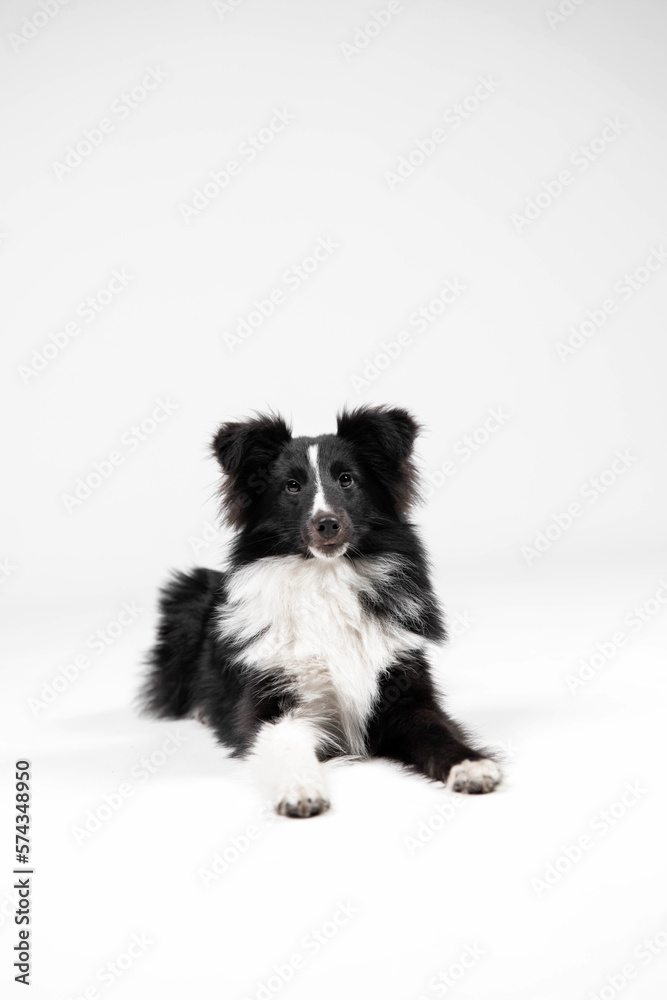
point(313, 641)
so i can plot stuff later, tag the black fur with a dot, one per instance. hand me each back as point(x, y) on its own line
point(193, 671)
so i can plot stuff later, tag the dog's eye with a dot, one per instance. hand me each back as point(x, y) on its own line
point(345, 480)
point(291, 486)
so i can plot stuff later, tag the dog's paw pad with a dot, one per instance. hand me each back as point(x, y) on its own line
point(475, 777)
point(302, 806)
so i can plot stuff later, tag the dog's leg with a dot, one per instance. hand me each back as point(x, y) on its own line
point(414, 730)
point(284, 758)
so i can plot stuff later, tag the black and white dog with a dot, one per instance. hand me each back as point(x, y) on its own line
point(312, 642)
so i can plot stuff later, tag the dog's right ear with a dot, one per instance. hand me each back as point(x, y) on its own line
point(243, 449)
point(384, 436)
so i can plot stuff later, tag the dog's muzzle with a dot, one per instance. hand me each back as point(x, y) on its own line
point(327, 534)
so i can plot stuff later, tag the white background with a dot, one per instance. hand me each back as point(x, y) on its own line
point(527, 620)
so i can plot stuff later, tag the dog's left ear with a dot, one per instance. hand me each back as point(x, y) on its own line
point(238, 444)
point(246, 450)
point(384, 437)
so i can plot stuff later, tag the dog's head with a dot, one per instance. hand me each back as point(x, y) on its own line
point(323, 496)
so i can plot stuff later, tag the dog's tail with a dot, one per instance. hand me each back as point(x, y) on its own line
point(186, 604)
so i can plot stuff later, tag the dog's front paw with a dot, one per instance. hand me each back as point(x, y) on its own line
point(474, 777)
point(302, 806)
point(305, 796)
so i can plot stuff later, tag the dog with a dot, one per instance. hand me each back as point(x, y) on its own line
point(312, 643)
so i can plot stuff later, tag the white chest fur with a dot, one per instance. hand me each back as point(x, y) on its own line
point(304, 618)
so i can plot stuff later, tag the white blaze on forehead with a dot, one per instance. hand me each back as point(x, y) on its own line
point(319, 503)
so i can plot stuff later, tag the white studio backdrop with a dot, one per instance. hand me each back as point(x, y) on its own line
point(460, 208)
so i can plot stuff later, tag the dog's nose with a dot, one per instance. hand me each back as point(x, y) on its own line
point(327, 526)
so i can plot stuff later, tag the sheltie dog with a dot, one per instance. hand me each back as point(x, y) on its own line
point(312, 642)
